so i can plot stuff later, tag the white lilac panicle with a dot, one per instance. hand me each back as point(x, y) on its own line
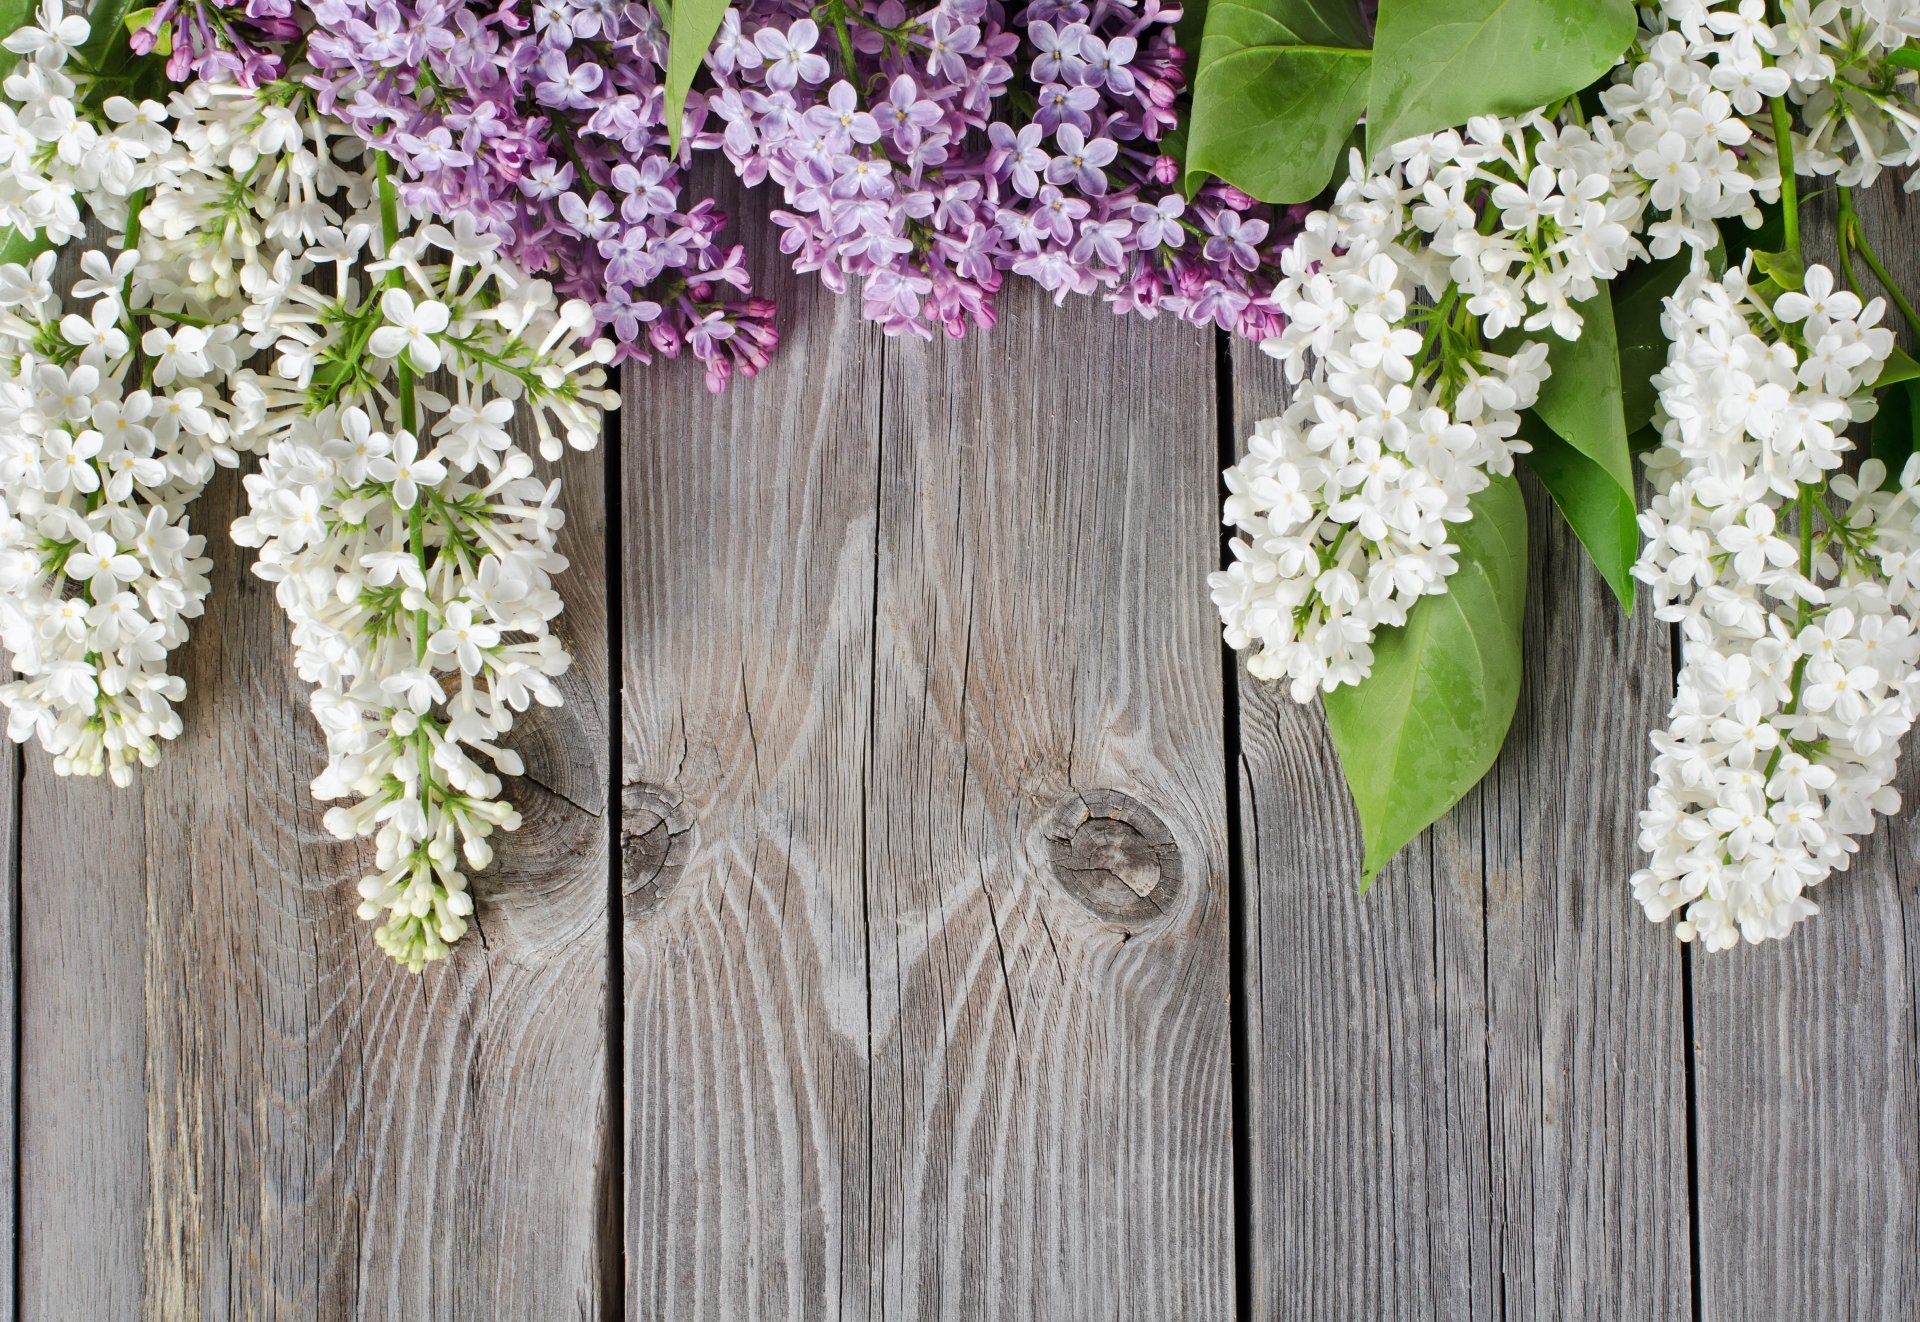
point(1399, 411)
point(114, 412)
point(1794, 587)
point(102, 447)
point(66, 147)
point(412, 541)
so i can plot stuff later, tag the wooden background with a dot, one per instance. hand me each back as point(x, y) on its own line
point(918, 916)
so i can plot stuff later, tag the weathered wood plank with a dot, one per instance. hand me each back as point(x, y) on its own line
point(748, 626)
point(1465, 1092)
point(9, 1021)
point(232, 1104)
point(1807, 1054)
point(1047, 895)
point(840, 902)
point(1586, 1019)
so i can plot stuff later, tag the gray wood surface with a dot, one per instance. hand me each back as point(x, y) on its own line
point(231, 1104)
point(967, 939)
point(1466, 1094)
point(10, 761)
point(1807, 1052)
point(905, 650)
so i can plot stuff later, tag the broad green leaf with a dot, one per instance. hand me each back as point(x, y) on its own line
point(1738, 239)
point(1900, 367)
point(1601, 515)
point(107, 35)
point(14, 15)
point(1639, 297)
point(1438, 63)
point(1906, 57)
point(1896, 429)
point(17, 249)
point(1581, 400)
point(1422, 729)
point(690, 33)
point(1279, 86)
point(1644, 439)
point(1785, 269)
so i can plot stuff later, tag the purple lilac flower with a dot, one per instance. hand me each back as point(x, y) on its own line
point(231, 41)
point(544, 124)
point(920, 154)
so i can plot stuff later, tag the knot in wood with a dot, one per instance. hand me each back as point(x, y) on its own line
point(1114, 855)
point(656, 840)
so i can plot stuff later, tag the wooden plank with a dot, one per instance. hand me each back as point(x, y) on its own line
point(839, 880)
point(10, 764)
point(266, 1115)
point(1047, 896)
point(1465, 1091)
point(1587, 1105)
point(1807, 1053)
point(748, 628)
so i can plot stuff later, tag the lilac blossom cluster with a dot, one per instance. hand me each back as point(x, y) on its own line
point(544, 125)
point(924, 154)
point(233, 41)
point(925, 166)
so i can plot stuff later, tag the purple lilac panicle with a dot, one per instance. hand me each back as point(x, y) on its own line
point(923, 154)
point(543, 123)
point(220, 40)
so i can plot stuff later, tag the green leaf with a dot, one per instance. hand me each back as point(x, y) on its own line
point(1601, 515)
point(1644, 439)
point(690, 32)
point(16, 249)
point(1785, 269)
point(1900, 367)
point(1278, 88)
point(1438, 63)
point(1421, 730)
point(1896, 429)
point(1738, 239)
point(14, 15)
point(1581, 400)
point(1639, 297)
point(107, 35)
point(1906, 57)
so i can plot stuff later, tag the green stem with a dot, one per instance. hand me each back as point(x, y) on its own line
point(1854, 234)
point(1789, 185)
point(403, 384)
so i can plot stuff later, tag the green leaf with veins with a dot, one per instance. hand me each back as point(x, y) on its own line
point(1582, 398)
point(691, 28)
point(1277, 89)
point(1439, 63)
point(1600, 513)
point(1427, 723)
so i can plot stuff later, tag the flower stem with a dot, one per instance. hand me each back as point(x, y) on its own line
point(1853, 234)
point(403, 383)
point(1789, 184)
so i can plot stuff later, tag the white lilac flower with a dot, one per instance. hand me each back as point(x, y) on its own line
point(412, 542)
point(1399, 413)
point(1793, 586)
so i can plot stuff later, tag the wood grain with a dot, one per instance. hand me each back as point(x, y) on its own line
point(1465, 1093)
point(1047, 847)
point(9, 1022)
point(1807, 1053)
point(748, 626)
point(880, 1061)
point(233, 1105)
